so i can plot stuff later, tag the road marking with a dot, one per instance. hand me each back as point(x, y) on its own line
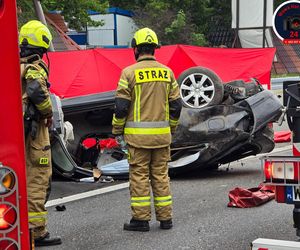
point(88, 194)
point(99, 191)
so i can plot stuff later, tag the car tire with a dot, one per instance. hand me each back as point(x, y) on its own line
point(200, 87)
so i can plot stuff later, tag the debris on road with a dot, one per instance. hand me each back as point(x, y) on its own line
point(252, 197)
point(60, 208)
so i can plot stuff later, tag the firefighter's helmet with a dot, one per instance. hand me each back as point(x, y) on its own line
point(35, 34)
point(144, 36)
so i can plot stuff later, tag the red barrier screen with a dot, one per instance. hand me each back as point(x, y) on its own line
point(78, 73)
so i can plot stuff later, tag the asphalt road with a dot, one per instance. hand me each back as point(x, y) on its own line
point(202, 219)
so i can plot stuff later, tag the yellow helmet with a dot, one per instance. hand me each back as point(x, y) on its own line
point(36, 34)
point(144, 36)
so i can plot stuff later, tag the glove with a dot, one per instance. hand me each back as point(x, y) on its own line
point(120, 140)
point(122, 143)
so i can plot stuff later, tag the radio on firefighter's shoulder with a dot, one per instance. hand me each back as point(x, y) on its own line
point(31, 119)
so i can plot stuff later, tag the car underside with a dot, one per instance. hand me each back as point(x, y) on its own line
point(219, 123)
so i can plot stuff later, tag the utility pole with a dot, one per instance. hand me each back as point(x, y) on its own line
point(40, 14)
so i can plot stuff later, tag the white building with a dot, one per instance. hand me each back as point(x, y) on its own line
point(117, 31)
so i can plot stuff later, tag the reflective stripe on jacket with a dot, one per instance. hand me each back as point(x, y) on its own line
point(149, 87)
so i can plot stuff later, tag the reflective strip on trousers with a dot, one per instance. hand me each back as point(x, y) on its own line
point(37, 216)
point(143, 201)
point(163, 201)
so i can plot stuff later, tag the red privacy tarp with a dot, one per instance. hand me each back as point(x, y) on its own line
point(282, 136)
point(78, 73)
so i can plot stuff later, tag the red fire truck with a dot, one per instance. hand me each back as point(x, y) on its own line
point(14, 233)
point(283, 172)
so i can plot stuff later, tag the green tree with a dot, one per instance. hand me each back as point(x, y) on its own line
point(25, 12)
point(199, 12)
point(74, 12)
point(278, 2)
point(174, 21)
point(181, 31)
point(220, 14)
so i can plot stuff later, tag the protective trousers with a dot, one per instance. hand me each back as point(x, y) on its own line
point(38, 163)
point(149, 167)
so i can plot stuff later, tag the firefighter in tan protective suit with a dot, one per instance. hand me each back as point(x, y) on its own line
point(147, 110)
point(35, 38)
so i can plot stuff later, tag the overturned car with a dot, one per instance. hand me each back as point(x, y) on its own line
point(219, 123)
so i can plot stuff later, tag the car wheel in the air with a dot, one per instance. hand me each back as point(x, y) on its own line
point(200, 87)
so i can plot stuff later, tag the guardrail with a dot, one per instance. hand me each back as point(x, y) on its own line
point(276, 83)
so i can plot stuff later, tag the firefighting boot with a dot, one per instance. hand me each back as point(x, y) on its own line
point(137, 225)
point(47, 240)
point(166, 224)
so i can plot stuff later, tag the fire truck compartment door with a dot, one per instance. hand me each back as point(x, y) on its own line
point(271, 244)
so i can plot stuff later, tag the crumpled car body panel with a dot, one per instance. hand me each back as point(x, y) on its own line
point(205, 137)
point(231, 132)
